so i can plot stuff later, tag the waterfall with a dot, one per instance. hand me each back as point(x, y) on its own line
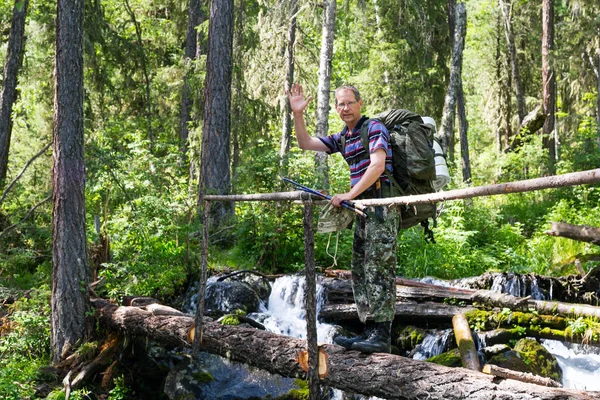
point(580, 364)
point(434, 344)
point(285, 312)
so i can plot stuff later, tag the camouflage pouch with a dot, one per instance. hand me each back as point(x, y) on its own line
point(334, 219)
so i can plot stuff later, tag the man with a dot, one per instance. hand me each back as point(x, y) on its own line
point(374, 248)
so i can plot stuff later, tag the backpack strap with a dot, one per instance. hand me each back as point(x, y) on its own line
point(364, 139)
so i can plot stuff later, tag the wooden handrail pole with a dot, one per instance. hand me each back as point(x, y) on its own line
point(311, 303)
point(202, 288)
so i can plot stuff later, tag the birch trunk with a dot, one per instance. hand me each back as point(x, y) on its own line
point(325, 85)
point(286, 133)
point(506, 6)
point(447, 129)
point(548, 83)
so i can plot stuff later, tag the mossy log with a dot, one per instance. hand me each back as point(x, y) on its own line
point(383, 375)
point(407, 289)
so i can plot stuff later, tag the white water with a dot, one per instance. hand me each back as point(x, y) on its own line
point(286, 314)
point(580, 364)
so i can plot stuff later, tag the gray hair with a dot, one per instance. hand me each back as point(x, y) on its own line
point(347, 87)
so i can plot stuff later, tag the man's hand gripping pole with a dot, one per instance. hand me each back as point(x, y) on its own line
point(346, 203)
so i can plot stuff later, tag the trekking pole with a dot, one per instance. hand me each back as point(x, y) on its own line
point(346, 203)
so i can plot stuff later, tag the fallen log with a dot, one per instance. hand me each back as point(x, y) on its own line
point(580, 233)
point(404, 309)
point(382, 375)
point(418, 290)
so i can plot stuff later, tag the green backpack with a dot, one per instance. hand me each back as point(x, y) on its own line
point(412, 160)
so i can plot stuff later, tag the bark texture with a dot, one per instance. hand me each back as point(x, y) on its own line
point(70, 274)
point(14, 60)
point(286, 132)
point(327, 37)
point(447, 128)
point(191, 54)
point(382, 375)
point(215, 175)
point(548, 82)
point(506, 6)
point(575, 232)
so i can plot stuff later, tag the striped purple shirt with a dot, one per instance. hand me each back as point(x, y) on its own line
point(379, 138)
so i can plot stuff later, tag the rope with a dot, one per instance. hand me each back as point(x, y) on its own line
point(334, 256)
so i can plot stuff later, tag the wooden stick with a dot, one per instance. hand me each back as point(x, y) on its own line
point(495, 370)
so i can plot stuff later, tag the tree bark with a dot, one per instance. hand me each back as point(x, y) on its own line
point(406, 289)
point(286, 133)
point(382, 375)
point(144, 66)
point(506, 7)
point(576, 232)
point(463, 123)
point(191, 54)
point(447, 128)
point(404, 309)
point(311, 303)
point(548, 83)
point(215, 176)
point(14, 60)
point(327, 37)
point(70, 273)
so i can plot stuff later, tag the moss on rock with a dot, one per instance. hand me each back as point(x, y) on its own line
point(529, 356)
point(449, 359)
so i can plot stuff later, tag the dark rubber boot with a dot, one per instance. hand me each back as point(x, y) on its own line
point(379, 341)
point(347, 341)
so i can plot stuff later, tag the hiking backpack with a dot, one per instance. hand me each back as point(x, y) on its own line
point(413, 161)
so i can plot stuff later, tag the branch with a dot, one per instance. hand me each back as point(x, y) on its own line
point(27, 164)
point(13, 226)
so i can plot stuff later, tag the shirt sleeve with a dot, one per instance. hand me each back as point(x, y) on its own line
point(332, 142)
point(379, 137)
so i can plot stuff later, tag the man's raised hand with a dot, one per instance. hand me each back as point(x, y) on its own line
point(296, 96)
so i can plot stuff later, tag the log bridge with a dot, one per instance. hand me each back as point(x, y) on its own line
point(383, 375)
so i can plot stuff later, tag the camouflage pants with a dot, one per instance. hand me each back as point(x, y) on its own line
point(374, 264)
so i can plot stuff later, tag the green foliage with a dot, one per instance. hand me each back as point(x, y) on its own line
point(24, 344)
point(120, 391)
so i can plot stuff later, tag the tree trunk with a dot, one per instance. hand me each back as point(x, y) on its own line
point(598, 97)
point(144, 65)
point(286, 133)
point(548, 83)
point(461, 30)
point(215, 176)
point(327, 37)
point(14, 60)
point(506, 7)
point(501, 133)
point(70, 273)
point(447, 131)
point(187, 98)
point(576, 232)
point(382, 375)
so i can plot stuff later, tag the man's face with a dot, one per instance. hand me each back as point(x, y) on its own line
point(347, 107)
